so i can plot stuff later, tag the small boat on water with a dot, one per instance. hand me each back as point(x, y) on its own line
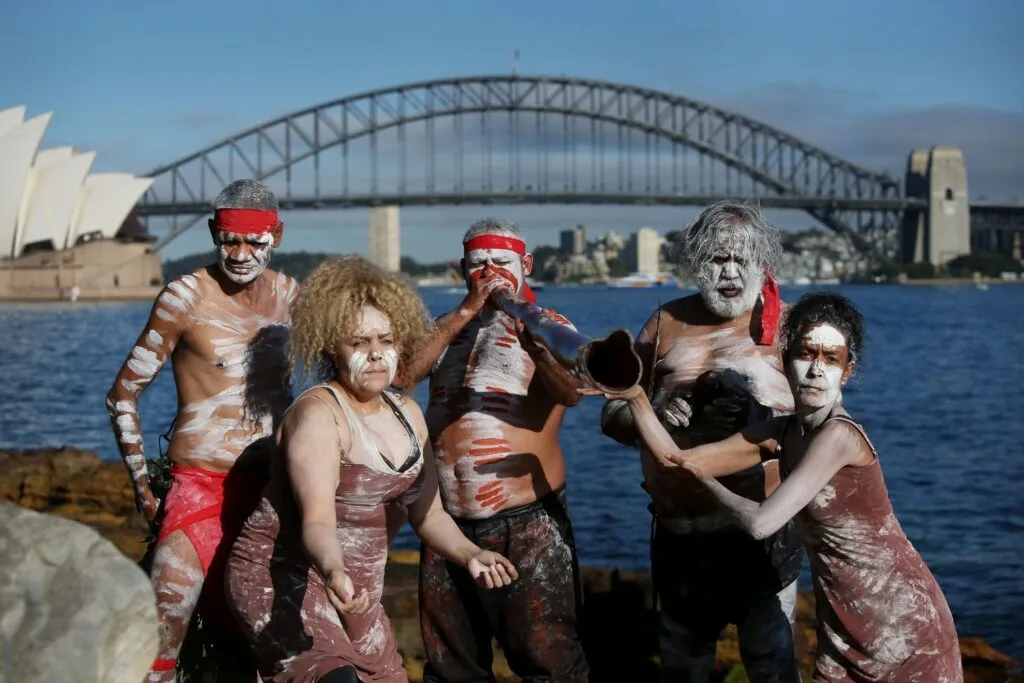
point(645, 281)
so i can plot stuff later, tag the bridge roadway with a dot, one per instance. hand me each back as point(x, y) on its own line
point(351, 201)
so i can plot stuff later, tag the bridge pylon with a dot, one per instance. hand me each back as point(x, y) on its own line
point(941, 231)
point(385, 238)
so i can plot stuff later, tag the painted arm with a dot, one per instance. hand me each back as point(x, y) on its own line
point(438, 530)
point(616, 416)
point(559, 382)
point(311, 443)
point(835, 447)
point(734, 454)
point(169, 318)
point(750, 446)
point(311, 446)
point(416, 362)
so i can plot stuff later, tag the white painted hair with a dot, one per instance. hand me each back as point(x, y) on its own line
point(246, 194)
point(697, 243)
point(493, 226)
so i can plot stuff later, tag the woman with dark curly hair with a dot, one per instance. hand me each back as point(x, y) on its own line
point(306, 575)
point(881, 614)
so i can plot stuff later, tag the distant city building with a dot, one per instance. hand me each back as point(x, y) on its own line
point(573, 242)
point(60, 227)
point(643, 253)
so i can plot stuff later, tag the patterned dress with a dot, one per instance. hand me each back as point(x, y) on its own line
point(881, 614)
point(280, 599)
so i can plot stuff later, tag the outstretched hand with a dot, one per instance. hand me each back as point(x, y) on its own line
point(491, 570)
point(341, 593)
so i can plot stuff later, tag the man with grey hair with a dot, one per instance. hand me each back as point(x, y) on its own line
point(496, 404)
point(712, 364)
point(226, 327)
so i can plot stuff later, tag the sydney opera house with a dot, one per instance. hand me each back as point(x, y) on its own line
point(66, 233)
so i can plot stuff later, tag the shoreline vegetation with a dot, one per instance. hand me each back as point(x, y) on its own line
point(966, 270)
point(76, 484)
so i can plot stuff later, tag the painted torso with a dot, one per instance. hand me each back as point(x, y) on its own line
point(690, 345)
point(493, 425)
point(269, 570)
point(230, 368)
point(882, 615)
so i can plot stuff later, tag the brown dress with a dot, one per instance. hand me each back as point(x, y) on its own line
point(881, 614)
point(280, 600)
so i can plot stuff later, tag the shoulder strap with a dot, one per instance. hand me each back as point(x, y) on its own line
point(856, 425)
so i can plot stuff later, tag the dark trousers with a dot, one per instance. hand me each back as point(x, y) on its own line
point(537, 620)
point(709, 580)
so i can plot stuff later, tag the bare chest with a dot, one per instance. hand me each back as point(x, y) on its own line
point(487, 359)
point(759, 368)
point(233, 342)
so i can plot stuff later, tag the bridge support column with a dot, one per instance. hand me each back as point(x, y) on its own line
point(942, 231)
point(385, 240)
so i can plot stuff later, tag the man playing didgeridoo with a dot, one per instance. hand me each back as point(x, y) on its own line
point(881, 615)
point(712, 361)
point(226, 328)
point(496, 404)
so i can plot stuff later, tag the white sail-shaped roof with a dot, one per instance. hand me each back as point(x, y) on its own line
point(49, 203)
point(103, 203)
point(9, 118)
point(18, 147)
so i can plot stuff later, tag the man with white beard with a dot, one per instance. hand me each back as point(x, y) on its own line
point(712, 364)
point(226, 326)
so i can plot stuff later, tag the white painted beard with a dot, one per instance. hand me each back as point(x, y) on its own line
point(730, 307)
point(748, 280)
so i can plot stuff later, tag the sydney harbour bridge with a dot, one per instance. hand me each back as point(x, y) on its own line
point(512, 139)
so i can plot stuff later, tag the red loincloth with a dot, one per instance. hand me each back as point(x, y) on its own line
point(210, 509)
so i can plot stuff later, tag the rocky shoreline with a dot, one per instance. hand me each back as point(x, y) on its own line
point(77, 485)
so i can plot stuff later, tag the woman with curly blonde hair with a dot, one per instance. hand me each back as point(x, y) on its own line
point(306, 575)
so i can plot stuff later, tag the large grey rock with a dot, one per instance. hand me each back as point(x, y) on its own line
point(72, 607)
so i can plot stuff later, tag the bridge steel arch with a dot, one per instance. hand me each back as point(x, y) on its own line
point(861, 204)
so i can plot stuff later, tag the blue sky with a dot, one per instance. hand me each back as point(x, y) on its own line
point(145, 83)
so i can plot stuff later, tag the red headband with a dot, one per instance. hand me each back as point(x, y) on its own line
point(245, 221)
point(496, 242)
point(770, 310)
point(501, 242)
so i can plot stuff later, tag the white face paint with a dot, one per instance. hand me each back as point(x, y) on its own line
point(816, 382)
point(506, 262)
point(252, 261)
point(375, 350)
point(730, 282)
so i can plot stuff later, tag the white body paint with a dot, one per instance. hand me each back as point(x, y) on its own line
point(468, 389)
point(727, 349)
point(506, 259)
point(819, 384)
point(713, 277)
point(211, 432)
point(825, 336)
point(244, 272)
point(372, 323)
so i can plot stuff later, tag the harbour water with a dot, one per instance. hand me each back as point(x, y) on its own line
point(939, 391)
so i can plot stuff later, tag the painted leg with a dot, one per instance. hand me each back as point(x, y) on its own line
point(765, 637)
point(454, 625)
point(178, 580)
point(541, 636)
